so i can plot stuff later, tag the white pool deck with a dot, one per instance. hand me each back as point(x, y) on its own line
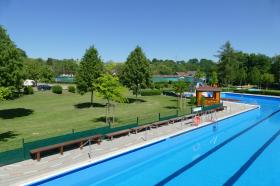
point(30, 170)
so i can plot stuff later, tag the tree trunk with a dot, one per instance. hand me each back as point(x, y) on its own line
point(177, 102)
point(181, 105)
point(91, 99)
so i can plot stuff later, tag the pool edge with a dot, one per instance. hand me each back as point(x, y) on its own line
point(85, 164)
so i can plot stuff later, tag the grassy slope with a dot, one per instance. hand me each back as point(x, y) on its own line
point(56, 114)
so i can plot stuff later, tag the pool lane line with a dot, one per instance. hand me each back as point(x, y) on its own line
point(211, 151)
point(250, 161)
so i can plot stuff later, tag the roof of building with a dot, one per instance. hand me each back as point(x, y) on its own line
point(207, 88)
point(186, 74)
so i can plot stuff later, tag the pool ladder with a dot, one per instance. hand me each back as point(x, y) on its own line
point(90, 148)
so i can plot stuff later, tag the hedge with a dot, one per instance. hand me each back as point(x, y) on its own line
point(261, 92)
point(150, 92)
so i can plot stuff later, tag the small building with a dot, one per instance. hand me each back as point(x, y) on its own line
point(212, 97)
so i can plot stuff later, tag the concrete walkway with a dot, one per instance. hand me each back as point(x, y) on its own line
point(29, 170)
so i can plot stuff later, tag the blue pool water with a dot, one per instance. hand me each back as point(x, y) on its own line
point(243, 150)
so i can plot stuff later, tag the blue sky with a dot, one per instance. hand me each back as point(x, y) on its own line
point(166, 29)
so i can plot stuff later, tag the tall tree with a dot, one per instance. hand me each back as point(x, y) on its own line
point(255, 76)
point(109, 88)
point(136, 71)
point(199, 75)
point(241, 75)
point(38, 70)
point(267, 79)
point(90, 69)
point(227, 64)
point(214, 78)
point(276, 69)
point(11, 62)
point(180, 87)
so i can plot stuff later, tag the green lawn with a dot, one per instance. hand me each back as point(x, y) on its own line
point(45, 114)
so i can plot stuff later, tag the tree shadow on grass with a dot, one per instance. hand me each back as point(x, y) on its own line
point(15, 113)
point(170, 107)
point(7, 135)
point(103, 119)
point(88, 105)
point(134, 100)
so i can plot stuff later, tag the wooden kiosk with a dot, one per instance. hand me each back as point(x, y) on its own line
point(213, 100)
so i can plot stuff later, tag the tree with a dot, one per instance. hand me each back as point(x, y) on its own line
point(255, 76)
point(179, 88)
point(199, 75)
point(276, 68)
point(90, 69)
point(214, 78)
point(4, 93)
point(136, 71)
point(267, 79)
point(227, 65)
point(38, 70)
point(46, 74)
point(11, 62)
point(108, 87)
point(32, 69)
point(241, 76)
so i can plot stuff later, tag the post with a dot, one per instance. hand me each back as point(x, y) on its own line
point(23, 148)
point(73, 131)
point(159, 116)
point(137, 120)
point(177, 113)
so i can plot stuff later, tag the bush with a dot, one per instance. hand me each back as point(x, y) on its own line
point(28, 90)
point(57, 89)
point(150, 92)
point(5, 93)
point(157, 86)
point(72, 89)
point(193, 100)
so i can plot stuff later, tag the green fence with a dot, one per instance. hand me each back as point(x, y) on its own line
point(23, 153)
point(211, 107)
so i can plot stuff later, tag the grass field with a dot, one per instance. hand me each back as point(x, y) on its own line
point(45, 114)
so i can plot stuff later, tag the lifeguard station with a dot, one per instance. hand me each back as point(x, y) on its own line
point(213, 95)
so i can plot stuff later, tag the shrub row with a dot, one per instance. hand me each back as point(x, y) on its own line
point(150, 92)
point(262, 92)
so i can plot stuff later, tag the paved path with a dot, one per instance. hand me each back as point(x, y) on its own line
point(28, 170)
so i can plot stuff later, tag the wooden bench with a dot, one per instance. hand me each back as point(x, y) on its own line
point(174, 120)
point(37, 152)
point(118, 133)
point(160, 123)
point(140, 128)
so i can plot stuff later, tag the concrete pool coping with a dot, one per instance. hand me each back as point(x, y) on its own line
point(72, 168)
point(260, 95)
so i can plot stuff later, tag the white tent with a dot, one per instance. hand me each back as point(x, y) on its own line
point(29, 82)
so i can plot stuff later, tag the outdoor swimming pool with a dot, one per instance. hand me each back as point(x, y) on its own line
point(241, 150)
